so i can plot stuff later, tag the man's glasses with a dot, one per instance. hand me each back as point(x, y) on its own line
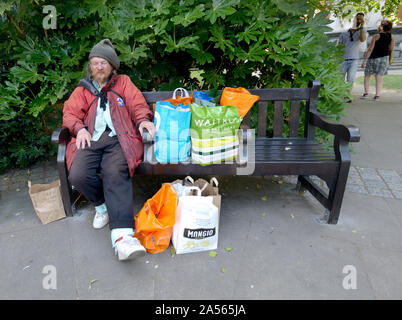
point(101, 63)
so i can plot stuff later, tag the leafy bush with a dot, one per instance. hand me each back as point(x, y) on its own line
point(249, 43)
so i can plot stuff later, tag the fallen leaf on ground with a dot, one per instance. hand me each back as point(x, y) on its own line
point(212, 254)
point(292, 215)
point(264, 198)
point(263, 214)
point(172, 251)
point(354, 231)
point(156, 266)
point(91, 282)
point(228, 249)
point(224, 270)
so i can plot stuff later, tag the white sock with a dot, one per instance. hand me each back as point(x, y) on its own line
point(120, 232)
point(101, 209)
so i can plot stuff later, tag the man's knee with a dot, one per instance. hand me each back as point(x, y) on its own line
point(116, 173)
point(80, 175)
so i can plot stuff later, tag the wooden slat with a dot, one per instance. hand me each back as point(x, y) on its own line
point(246, 123)
point(262, 119)
point(278, 118)
point(272, 94)
point(153, 96)
point(294, 118)
point(282, 94)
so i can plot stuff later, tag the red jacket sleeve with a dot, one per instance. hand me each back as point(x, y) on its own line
point(74, 111)
point(137, 106)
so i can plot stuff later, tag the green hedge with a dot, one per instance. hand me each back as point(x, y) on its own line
point(159, 43)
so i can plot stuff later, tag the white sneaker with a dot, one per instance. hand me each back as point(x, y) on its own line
point(100, 220)
point(129, 248)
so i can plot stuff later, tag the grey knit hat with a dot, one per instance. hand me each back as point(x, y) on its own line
point(104, 49)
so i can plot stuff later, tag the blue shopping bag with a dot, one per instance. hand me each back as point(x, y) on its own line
point(173, 141)
point(202, 95)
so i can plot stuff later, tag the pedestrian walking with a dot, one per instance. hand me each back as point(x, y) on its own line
point(378, 58)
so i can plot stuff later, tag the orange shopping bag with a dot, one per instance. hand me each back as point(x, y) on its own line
point(240, 98)
point(154, 223)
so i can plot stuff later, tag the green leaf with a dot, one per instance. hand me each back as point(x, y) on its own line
point(213, 78)
point(202, 57)
point(218, 37)
point(221, 9)
point(172, 251)
point(26, 73)
point(190, 16)
point(131, 55)
point(212, 254)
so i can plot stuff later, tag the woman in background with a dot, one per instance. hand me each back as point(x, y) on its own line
point(377, 58)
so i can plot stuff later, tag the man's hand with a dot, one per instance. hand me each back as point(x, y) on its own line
point(149, 126)
point(83, 136)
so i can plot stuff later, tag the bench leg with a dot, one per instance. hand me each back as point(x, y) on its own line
point(66, 192)
point(336, 193)
point(333, 201)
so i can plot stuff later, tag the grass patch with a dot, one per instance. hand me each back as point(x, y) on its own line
point(392, 81)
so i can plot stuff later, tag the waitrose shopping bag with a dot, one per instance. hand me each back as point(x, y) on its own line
point(197, 223)
point(214, 131)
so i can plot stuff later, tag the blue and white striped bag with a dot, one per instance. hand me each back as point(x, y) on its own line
point(173, 141)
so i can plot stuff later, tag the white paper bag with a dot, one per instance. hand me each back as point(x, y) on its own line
point(197, 223)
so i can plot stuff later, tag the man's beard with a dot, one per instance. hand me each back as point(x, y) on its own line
point(100, 76)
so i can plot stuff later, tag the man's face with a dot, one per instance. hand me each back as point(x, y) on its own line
point(359, 19)
point(100, 69)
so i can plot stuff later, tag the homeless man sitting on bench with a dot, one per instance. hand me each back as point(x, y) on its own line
point(106, 115)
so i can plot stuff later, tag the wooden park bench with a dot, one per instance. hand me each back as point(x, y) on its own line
point(259, 154)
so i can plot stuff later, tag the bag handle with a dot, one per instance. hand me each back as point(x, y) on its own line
point(189, 179)
point(214, 180)
point(183, 92)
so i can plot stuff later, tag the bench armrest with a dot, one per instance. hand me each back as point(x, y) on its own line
point(348, 133)
point(60, 135)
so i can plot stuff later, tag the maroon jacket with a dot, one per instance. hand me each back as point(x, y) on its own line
point(128, 109)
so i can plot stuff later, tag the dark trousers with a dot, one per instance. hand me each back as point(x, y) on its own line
point(115, 188)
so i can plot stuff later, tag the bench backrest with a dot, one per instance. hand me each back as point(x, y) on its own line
point(271, 98)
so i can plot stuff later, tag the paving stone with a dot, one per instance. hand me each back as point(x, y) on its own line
point(393, 180)
point(379, 192)
point(397, 194)
point(355, 180)
point(356, 188)
point(375, 183)
point(388, 173)
point(367, 171)
point(396, 187)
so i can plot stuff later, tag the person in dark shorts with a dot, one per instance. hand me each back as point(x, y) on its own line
point(377, 58)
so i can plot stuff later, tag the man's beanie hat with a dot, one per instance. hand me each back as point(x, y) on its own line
point(104, 49)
